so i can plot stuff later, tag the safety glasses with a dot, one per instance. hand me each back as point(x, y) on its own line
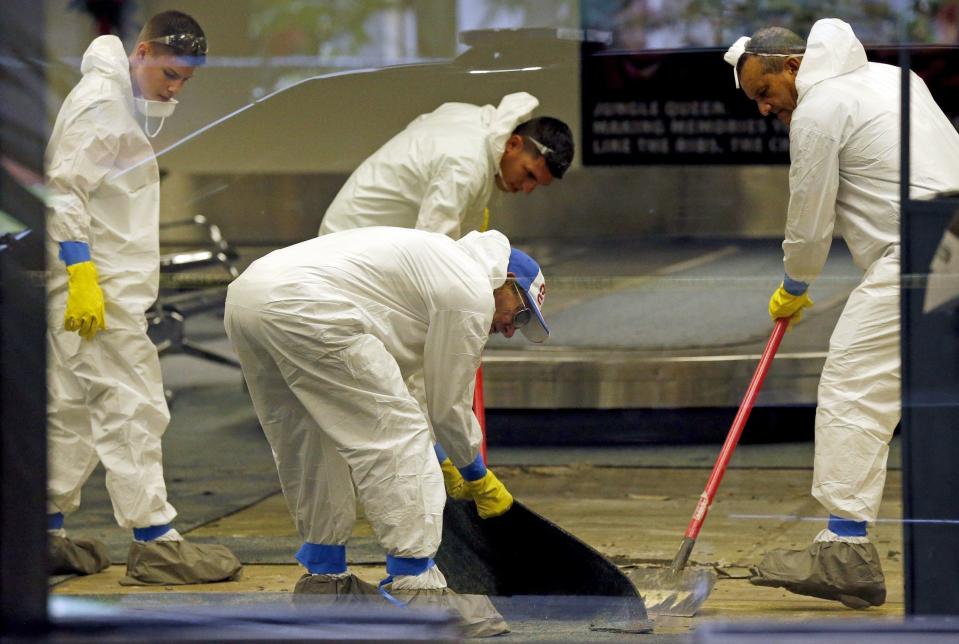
point(183, 43)
point(544, 150)
point(549, 154)
point(522, 317)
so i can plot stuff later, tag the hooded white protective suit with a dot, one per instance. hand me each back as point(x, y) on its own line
point(106, 397)
point(327, 331)
point(844, 148)
point(436, 175)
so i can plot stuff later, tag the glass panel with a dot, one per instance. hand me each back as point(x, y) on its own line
point(338, 356)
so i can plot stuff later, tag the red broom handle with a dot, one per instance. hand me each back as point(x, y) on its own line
point(736, 430)
point(479, 409)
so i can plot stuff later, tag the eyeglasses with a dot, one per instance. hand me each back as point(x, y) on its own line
point(522, 317)
point(187, 43)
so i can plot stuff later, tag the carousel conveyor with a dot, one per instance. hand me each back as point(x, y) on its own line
point(664, 324)
point(649, 324)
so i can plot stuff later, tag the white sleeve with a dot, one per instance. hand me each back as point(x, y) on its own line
point(452, 190)
point(416, 384)
point(454, 348)
point(813, 184)
point(83, 156)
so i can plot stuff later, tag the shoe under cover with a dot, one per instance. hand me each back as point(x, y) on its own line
point(70, 556)
point(837, 570)
point(179, 562)
point(311, 588)
point(477, 615)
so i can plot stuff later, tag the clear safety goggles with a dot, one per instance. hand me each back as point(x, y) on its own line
point(522, 317)
point(761, 54)
point(549, 154)
point(183, 43)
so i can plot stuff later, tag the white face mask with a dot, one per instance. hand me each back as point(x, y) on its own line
point(154, 109)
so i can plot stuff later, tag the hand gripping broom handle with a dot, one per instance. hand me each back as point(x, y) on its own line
point(732, 439)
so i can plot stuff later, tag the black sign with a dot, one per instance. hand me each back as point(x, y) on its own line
point(682, 107)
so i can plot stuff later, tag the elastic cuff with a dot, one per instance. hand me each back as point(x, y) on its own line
point(151, 533)
point(321, 559)
point(794, 287)
point(55, 521)
point(72, 252)
point(440, 452)
point(475, 470)
point(847, 527)
point(407, 565)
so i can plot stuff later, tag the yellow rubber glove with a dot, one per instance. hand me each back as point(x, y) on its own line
point(491, 496)
point(784, 304)
point(84, 312)
point(455, 485)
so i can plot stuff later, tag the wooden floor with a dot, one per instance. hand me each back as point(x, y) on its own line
point(635, 516)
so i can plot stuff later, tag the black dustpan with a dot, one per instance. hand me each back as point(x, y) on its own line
point(522, 553)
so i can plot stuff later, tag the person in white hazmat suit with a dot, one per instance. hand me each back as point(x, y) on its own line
point(327, 332)
point(106, 400)
point(843, 117)
point(438, 173)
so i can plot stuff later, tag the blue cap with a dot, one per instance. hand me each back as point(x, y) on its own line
point(530, 279)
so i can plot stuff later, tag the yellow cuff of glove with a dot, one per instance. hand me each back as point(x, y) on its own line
point(455, 484)
point(84, 312)
point(491, 496)
point(784, 304)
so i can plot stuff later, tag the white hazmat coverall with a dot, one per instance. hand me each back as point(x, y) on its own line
point(844, 147)
point(106, 397)
point(437, 174)
point(327, 331)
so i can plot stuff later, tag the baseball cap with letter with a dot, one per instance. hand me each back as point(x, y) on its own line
point(529, 277)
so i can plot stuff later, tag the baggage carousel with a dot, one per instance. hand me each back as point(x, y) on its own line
point(664, 324)
point(653, 340)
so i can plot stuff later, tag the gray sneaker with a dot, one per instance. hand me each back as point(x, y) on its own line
point(77, 556)
point(179, 562)
point(477, 615)
point(846, 572)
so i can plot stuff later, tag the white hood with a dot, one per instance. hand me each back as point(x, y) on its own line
point(502, 120)
point(106, 57)
point(103, 187)
point(491, 251)
point(832, 49)
point(437, 174)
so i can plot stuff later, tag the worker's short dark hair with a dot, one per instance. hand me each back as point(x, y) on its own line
point(178, 33)
point(555, 136)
